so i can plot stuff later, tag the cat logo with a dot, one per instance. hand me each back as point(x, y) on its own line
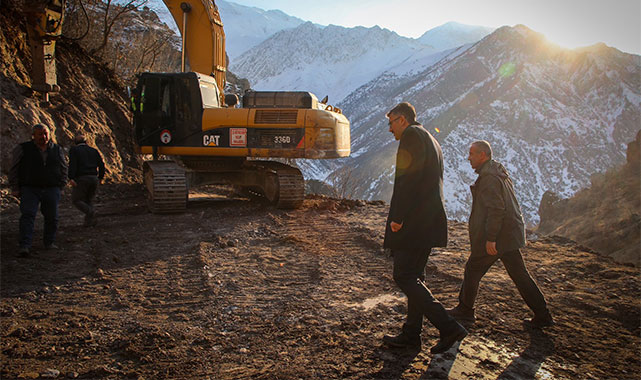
point(211, 140)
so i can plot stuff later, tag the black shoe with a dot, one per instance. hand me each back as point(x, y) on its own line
point(90, 219)
point(23, 252)
point(540, 320)
point(447, 341)
point(402, 341)
point(51, 247)
point(462, 314)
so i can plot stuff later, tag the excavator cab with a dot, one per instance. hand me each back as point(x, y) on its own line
point(168, 108)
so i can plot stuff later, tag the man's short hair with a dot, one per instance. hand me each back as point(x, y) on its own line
point(79, 139)
point(484, 147)
point(40, 127)
point(404, 109)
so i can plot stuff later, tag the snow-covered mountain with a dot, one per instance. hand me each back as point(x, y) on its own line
point(330, 60)
point(245, 27)
point(454, 34)
point(553, 116)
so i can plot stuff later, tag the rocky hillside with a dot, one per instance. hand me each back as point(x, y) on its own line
point(138, 40)
point(604, 217)
point(91, 99)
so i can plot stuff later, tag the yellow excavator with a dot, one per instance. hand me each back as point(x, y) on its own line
point(212, 139)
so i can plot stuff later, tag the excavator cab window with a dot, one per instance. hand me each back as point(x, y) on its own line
point(170, 102)
point(156, 107)
point(210, 94)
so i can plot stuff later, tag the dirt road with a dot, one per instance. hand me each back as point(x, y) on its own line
point(237, 289)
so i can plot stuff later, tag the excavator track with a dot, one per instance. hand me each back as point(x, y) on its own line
point(284, 186)
point(166, 187)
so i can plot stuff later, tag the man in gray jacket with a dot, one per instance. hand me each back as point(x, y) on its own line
point(496, 232)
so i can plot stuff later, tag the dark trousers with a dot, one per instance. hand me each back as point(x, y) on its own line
point(478, 265)
point(83, 193)
point(409, 275)
point(30, 198)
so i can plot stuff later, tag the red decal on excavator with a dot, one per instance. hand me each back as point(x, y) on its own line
point(237, 136)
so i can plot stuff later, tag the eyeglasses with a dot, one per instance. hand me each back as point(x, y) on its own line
point(393, 120)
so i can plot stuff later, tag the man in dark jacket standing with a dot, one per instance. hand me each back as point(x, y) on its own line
point(38, 173)
point(86, 170)
point(417, 223)
point(497, 231)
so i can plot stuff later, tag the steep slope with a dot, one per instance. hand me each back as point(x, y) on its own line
point(539, 106)
point(90, 100)
point(330, 60)
point(604, 217)
point(454, 34)
point(138, 40)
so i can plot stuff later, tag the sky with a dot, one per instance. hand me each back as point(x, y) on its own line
point(568, 23)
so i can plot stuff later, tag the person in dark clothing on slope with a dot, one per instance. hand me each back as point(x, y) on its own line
point(86, 171)
point(416, 224)
point(496, 231)
point(37, 175)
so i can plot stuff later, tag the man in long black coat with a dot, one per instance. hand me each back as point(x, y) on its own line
point(417, 223)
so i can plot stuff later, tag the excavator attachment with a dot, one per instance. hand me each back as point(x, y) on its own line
point(44, 27)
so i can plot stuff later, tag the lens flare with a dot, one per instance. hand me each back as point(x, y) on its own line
point(437, 130)
point(507, 69)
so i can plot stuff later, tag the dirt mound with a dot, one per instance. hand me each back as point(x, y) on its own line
point(606, 216)
point(236, 289)
point(91, 100)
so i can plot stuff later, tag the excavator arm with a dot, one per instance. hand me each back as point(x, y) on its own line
point(202, 35)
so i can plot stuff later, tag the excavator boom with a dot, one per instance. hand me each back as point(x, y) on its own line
point(203, 36)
